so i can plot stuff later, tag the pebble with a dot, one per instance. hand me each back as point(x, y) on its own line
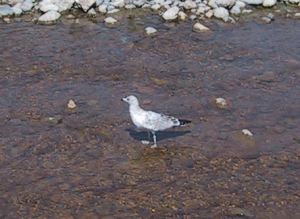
point(197, 27)
point(110, 20)
point(209, 14)
point(221, 102)
point(171, 13)
point(247, 132)
point(71, 104)
point(6, 20)
point(92, 12)
point(150, 30)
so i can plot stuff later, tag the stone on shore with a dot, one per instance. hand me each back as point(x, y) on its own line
point(171, 13)
point(6, 10)
point(182, 16)
point(253, 2)
point(189, 4)
point(197, 27)
point(44, 7)
point(102, 9)
point(27, 5)
point(269, 3)
point(17, 10)
point(62, 5)
point(85, 4)
point(221, 13)
point(49, 17)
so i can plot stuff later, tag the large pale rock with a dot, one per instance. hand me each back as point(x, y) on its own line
point(171, 13)
point(62, 5)
point(110, 20)
point(44, 7)
point(85, 4)
point(49, 17)
point(253, 2)
point(118, 3)
point(221, 13)
point(269, 3)
point(27, 5)
point(294, 1)
point(6, 10)
point(189, 4)
point(225, 3)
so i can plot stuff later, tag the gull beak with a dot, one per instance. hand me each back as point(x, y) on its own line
point(123, 99)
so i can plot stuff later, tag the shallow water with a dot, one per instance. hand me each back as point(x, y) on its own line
point(89, 162)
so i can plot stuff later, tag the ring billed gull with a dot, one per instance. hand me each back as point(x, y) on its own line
point(150, 120)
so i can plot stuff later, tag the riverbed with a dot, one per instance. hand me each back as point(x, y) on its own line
point(89, 161)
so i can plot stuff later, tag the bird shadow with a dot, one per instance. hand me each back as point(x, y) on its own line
point(160, 135)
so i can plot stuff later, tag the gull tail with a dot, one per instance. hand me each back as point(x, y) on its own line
point(184, 122)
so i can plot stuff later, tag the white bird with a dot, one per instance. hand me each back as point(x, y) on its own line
point(150, 120)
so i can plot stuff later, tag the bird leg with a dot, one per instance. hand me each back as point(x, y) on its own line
point(154, 140)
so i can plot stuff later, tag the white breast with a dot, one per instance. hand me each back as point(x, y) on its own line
point(137, 116)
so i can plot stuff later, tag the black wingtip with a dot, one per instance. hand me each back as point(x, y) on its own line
point(184, 121)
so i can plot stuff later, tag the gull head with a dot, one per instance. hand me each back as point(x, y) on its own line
point(131, 100)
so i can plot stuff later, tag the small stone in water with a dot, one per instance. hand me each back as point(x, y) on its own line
point(150, 30)
point(221, 102)
point(6, 20)
point(110, 20)
point(145, 142)
point(71, 104)
point(247, 132)
point(200, 27)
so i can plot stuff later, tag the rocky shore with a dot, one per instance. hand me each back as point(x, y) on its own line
point(49, 11)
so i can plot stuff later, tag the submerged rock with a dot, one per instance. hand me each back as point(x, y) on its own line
point(49, 17)
point(221, 102)
point(197, 27)
point(247, 132)
point(150, 30)
point(110, 20)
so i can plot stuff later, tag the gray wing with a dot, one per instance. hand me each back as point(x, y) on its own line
point(156, 121)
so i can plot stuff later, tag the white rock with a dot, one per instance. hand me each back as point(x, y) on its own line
point(182, 16)
point(130, 6)
point(200, 10)
point(71, 104)
point(269, 3)
point(171, 13)
point(17, 10)
point(115, 10)
point(48, 7)
point(247, 132)
point(294, 1)
point(209, 14)
point(49, 17)
point(155, 7)
point(110, 20)
point(246, 11)
point(27, 5)
point(12, 2)
point(193, 17)
point(6, 10)
point(212, 4)
point(62, 5)
point(92, 12)
point(85, 4)
point(197, 27)
point(102, 9)
point(99, 2)
point(253, 2)
point(6, 20)
point(221, 13)
point(225, 3)
point(297, 14)
point(118, 3)
point(139, 3)
point(189, 4)
point(240, 4)
point(236, 10)
point(150, 30)
point(221, 102)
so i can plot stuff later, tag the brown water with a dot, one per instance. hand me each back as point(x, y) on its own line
point(89, 162)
